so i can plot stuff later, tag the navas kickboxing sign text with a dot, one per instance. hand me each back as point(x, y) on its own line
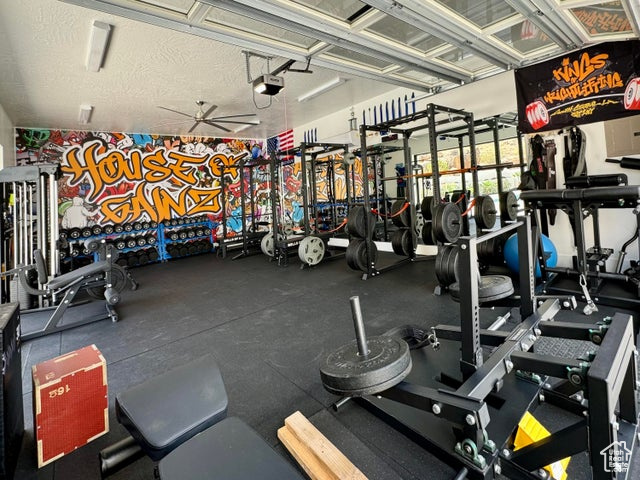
point(165, 183)
point(594, 84)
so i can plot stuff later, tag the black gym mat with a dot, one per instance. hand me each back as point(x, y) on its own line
point(269, 328)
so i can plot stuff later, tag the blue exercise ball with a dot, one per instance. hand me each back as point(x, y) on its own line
point(511, 254)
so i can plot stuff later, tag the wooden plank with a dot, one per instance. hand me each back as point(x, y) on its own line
point(313, 467)
point(336, 465)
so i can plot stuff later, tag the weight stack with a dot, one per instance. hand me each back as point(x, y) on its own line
point(10, 390)
point(19, 295)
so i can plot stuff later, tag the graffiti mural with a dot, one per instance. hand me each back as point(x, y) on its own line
point(117, 177)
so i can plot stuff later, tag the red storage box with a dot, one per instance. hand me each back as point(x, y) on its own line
point(70, 402)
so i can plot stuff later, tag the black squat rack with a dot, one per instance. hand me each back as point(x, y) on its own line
point(431, 119)
point(464, 404)
point(254, 227)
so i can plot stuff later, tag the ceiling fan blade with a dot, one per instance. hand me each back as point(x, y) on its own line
point(232, 121)
point(193, 127)
point(175, 111)
point(232, 116)
point(216, 125)
point(210, 111)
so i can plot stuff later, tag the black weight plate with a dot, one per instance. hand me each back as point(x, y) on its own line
point(508, 206)
point(427, 206)
point(351, 253)
point(447, 223)
point(407, 243)
point(396, 242)
point(404, 219)
point(356, 219)
point(361, 255)
point(485, 212)
point(415, 336)
point(491, 288)
point(346, 373)
point(446, 264)
point(427, 233)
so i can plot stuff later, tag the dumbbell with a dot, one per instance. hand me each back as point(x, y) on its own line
point(74, 233)
point(63, 234)
point(141, 240)
point(128, 227)
point(137, 225)
point(153, 255)
point(132, 259)
point(151, 239)
point(172, 235)
point(86, 232)
point(182, 234)
point(119, 228)
point(146, 225)
point(108, 229)
point(143, 257)
point(120, 243)
point(96, 230)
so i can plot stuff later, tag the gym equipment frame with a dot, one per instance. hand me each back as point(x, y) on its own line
point(102, 278)
point(435, 116)
point(605, 287)
point(309, 153)
point(466, 415)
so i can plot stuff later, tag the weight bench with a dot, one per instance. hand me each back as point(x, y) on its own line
point(101, 280)
point(179, 419)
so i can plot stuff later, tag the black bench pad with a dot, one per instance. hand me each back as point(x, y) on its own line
point(86, 271)
point(230, 450)
point(165, 411)
point(626, 192)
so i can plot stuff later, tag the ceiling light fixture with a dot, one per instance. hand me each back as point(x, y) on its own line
point(85, 114)
point(100, 33)
point(321, 89)
point(244, 127)
point(268, 84)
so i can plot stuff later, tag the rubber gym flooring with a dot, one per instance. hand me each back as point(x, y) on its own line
point(269, 328)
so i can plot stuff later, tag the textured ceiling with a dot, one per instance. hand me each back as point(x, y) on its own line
point(173, 52)
point(43, 79)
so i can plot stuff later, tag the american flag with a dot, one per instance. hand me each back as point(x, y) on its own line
point(281, 142)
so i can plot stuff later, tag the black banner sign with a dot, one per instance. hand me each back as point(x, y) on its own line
point(590, 85)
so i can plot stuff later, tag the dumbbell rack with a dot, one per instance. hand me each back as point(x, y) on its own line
point(178, 237)
point(137, 240)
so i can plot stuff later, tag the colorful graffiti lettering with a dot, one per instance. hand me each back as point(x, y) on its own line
point(581, 78)
point(166, 180)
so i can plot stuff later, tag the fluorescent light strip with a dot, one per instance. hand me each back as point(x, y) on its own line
point(321, 89)
point(85, 114)
point(100, 33)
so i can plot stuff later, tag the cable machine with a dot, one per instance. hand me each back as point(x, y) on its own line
point(34, 212)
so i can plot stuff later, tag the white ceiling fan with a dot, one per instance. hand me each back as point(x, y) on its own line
point(203, 117)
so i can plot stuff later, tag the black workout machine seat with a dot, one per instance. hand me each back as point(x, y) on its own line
point(230, 450)
point(178, 418)
point(165, 411)
point(97, 279)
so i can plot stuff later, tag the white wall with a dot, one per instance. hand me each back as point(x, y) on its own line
point(7, 140)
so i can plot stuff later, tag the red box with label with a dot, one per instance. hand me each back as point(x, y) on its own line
point(70, 402)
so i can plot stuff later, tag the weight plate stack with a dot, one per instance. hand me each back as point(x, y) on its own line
point(490, 288)
point(347, 373)
point(485, 212)
point(404, 219)
point(508, 206)
point(427, 233)
point(357, 254)
point(447, 223)
point(356, 219)
point(427, 206)
point(447, 264)
point(402, 242)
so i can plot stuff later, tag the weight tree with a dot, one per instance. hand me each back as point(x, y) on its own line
point(464, 405)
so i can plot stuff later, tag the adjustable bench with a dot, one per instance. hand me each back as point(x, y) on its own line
point(178, 418)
